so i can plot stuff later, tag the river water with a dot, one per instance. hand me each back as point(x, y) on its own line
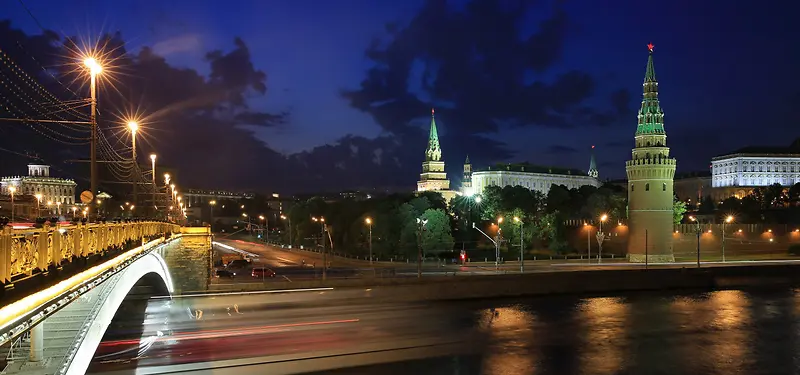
point(721, 332)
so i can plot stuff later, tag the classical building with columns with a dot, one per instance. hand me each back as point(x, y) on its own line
point(38, 181)
point(737, 173)
point(532, 177)
point(650, 180)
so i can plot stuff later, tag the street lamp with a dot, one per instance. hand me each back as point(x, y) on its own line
point(692, 218)
point(38, 203)
point(12, 190)
point(153, 163)
point(478, 199)
point(94, 70)
point(290, 229)
point(166, 179)
point(496, 243)
point(249, 227)
point(369, 223)
point(420, 228)
point(264, 229)
point(133, 126)
point(727, 220)
point(600, 238)
point(521, 246)
point(211, 220)
point(321, 221)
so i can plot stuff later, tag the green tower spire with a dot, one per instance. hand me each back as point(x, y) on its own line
point(434, 151)
point(467, 161)
point(651, 116)
point(593, 166)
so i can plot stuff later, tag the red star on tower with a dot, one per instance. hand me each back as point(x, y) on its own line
point(650, 47)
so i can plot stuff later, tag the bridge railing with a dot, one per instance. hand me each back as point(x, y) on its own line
point(24, 252)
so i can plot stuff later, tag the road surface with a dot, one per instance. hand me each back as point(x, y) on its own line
point(315, 330)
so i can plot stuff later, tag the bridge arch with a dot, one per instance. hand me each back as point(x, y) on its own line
point(150, 266)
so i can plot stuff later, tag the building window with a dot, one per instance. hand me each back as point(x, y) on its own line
point(647, 187)
point(664, 187)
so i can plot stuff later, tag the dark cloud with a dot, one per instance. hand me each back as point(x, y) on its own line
point(561, 150)
point(476, 65)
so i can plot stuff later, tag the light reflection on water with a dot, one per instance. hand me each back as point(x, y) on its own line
point(720, 332)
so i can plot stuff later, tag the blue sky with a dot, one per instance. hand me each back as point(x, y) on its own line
point(726, 70)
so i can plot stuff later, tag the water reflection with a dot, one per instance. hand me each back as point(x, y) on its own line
point(511, 335)
point(604, 324)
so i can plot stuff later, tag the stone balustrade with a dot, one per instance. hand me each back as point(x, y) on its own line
point(24, 252)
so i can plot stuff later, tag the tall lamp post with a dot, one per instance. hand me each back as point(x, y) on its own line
point(12, 190)
point(600, 238)
point(496, 244)
point(369, 223)
point(499, 240)
point(211, 219)
point(94, 70)
point(727, 220)
point(39, 197)
point(420, 228)
point(264, 228)
point(321, 221)
point(249, 227)
point(283, 217)
point(521, 246)
point(153, 163)
point(133, 126)
point(692, 218)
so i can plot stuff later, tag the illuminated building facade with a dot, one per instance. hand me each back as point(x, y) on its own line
point(57, 191)
point(737, 173)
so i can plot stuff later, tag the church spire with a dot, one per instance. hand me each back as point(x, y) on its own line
point(466, 162)
point(434, 151)
point(593, 166)
point(651, 117)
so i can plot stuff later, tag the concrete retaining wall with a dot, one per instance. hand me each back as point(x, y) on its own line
point(491, 286)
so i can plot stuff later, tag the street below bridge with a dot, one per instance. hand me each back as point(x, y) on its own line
point(292, 265)
point(277, 333)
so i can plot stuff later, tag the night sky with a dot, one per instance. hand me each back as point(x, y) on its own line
point(540, 83)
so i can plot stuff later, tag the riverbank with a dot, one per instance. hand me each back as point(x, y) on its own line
point(551, 283)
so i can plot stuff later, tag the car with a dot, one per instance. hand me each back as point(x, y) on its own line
point(262, 272)
point(238, 264)
point(225, 274)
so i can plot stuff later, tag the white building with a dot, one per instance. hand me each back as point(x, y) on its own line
point(757, 166)
point(530, 177)
point(57, 191)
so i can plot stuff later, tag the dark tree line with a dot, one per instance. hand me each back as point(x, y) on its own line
point(395, 231)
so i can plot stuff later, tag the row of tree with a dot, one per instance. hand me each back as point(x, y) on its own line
point(403, 224)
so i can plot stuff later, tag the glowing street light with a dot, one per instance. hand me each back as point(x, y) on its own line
point(692, 218)
point(153, 162)
point(727, 220)
point(12, 190)
point(38, 203)
point(521, 245)
point(369, 223)
point(133, 126)
point(94, 70)
point(288, 220)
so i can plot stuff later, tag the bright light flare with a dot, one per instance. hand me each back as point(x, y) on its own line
point(133, 126)
point(93, 65)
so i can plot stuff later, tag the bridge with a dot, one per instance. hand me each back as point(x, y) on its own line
point(64, 284)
